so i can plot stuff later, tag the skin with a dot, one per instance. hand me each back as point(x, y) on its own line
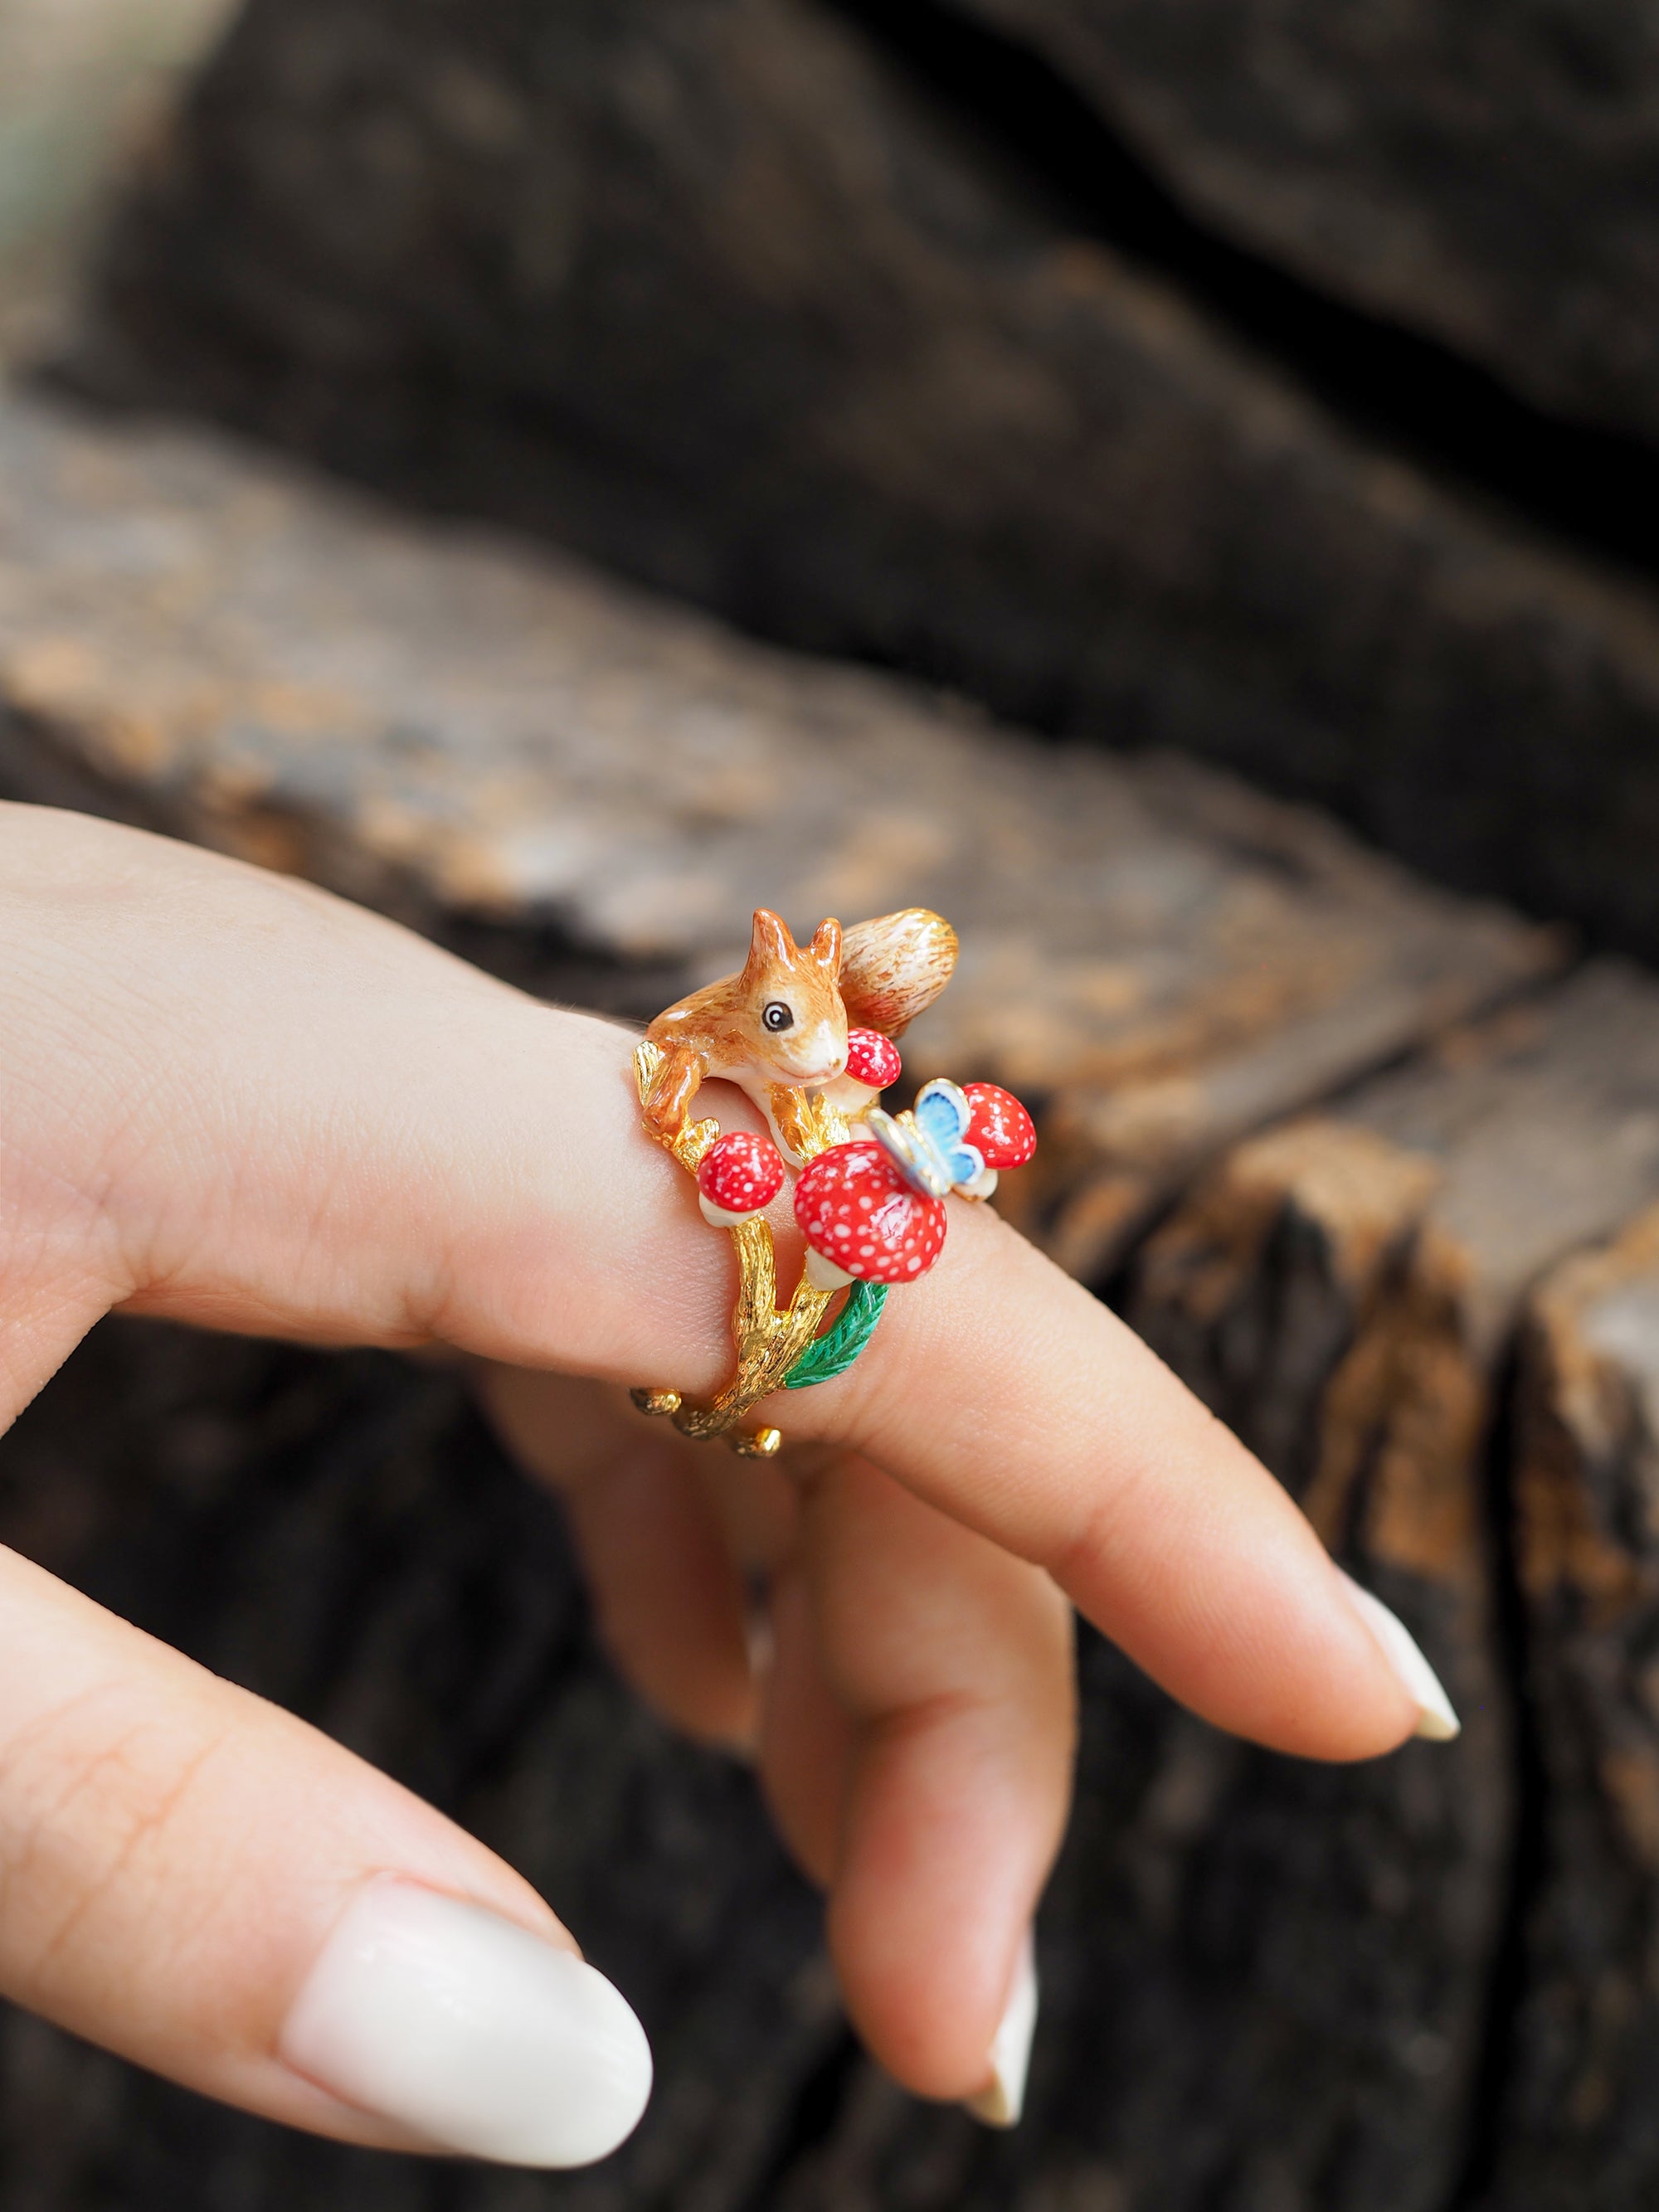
point(228, 1099)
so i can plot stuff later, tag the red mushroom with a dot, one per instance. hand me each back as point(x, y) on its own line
point(1001, 1131)
point(739, 1175)
point(862, 1221)
point(872, 1064)
point(999, 1126)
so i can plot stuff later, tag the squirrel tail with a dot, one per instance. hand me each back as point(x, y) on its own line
point(892, 968)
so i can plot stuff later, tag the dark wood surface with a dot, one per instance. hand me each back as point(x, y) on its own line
point(1577, 2129)
point(1322, 1130)
point(1489, 175)
point(722, 294)
point(1344, 1291)
point(511, 745)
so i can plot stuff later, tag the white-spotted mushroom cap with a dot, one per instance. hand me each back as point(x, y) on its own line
point(872, 1059)
point(872, 1064)
point(740, 1174)
point(856, 1210)
point(999, 1129)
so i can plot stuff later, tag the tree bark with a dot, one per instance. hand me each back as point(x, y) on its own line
point(1343, 1290)
point(595, 789)
point(1577, 2128)
point(1269, 1987)
point(1491, 177)
point(718, 292)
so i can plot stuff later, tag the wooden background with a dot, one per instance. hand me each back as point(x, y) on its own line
point(801, 329)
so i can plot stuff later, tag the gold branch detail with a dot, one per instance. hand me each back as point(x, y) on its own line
point(769, 1339)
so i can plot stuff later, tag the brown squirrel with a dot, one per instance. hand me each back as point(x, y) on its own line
point(778, 1028)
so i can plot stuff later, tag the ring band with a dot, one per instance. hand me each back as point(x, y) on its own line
point(769, 1340)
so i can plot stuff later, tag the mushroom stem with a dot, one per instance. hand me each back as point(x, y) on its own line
point(823, 1273)
point(722, 1217)
point(848, 1094)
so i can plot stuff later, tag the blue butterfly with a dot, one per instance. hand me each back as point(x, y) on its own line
point(926, 1145)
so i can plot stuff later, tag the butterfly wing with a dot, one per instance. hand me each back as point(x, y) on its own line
point(943, 1113)
point(906, 1147)
point(925, 1145)
point(942, 1110)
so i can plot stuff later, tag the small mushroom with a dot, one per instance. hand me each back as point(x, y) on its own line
point(739, 1175)
point(999, 1127)
point(1001, 1131)
point(872, 1064)
point(862, 1221)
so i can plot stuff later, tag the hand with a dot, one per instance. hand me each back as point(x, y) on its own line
point(231, 1100)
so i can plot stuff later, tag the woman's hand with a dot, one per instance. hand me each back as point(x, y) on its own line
point(232, 1100)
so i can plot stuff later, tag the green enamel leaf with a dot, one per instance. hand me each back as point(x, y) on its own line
point(832, 1355)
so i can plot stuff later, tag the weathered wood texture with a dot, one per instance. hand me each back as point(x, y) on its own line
point(713, 291)
point(1159, 959)
point(1342, 1292)
point(1578, 2131)
point(1489, 174)
point(1268, 1988)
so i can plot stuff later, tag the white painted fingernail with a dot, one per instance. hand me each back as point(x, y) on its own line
point(469, 2031)
point(1436, 1718)
point(1001, 2101)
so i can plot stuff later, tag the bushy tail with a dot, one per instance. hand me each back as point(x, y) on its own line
point(892, 968)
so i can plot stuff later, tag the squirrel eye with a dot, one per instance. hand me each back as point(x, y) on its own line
point(777, 1016)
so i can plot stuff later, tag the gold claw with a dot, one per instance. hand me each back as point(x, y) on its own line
point(656, 1401)
point(756, 1443)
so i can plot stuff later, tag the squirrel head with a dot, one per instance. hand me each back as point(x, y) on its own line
point(791, 997)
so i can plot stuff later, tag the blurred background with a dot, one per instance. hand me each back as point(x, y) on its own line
point(82, 85)
point(1169, 483)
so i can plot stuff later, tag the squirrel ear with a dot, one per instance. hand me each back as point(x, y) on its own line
point(770, 945)
point(826, 946)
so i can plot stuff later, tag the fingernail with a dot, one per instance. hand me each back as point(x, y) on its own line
point(1435, 1716)
point(469, 2031)
point(1001, 2101)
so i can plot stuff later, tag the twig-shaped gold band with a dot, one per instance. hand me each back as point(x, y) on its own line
point(769, 1339)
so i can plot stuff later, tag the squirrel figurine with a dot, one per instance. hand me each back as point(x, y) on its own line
point(778, 1028)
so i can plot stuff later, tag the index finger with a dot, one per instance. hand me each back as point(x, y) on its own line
point(240, 1102)
point(1001, 1391)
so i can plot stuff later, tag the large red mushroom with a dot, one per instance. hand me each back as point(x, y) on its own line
point(862, 1221)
